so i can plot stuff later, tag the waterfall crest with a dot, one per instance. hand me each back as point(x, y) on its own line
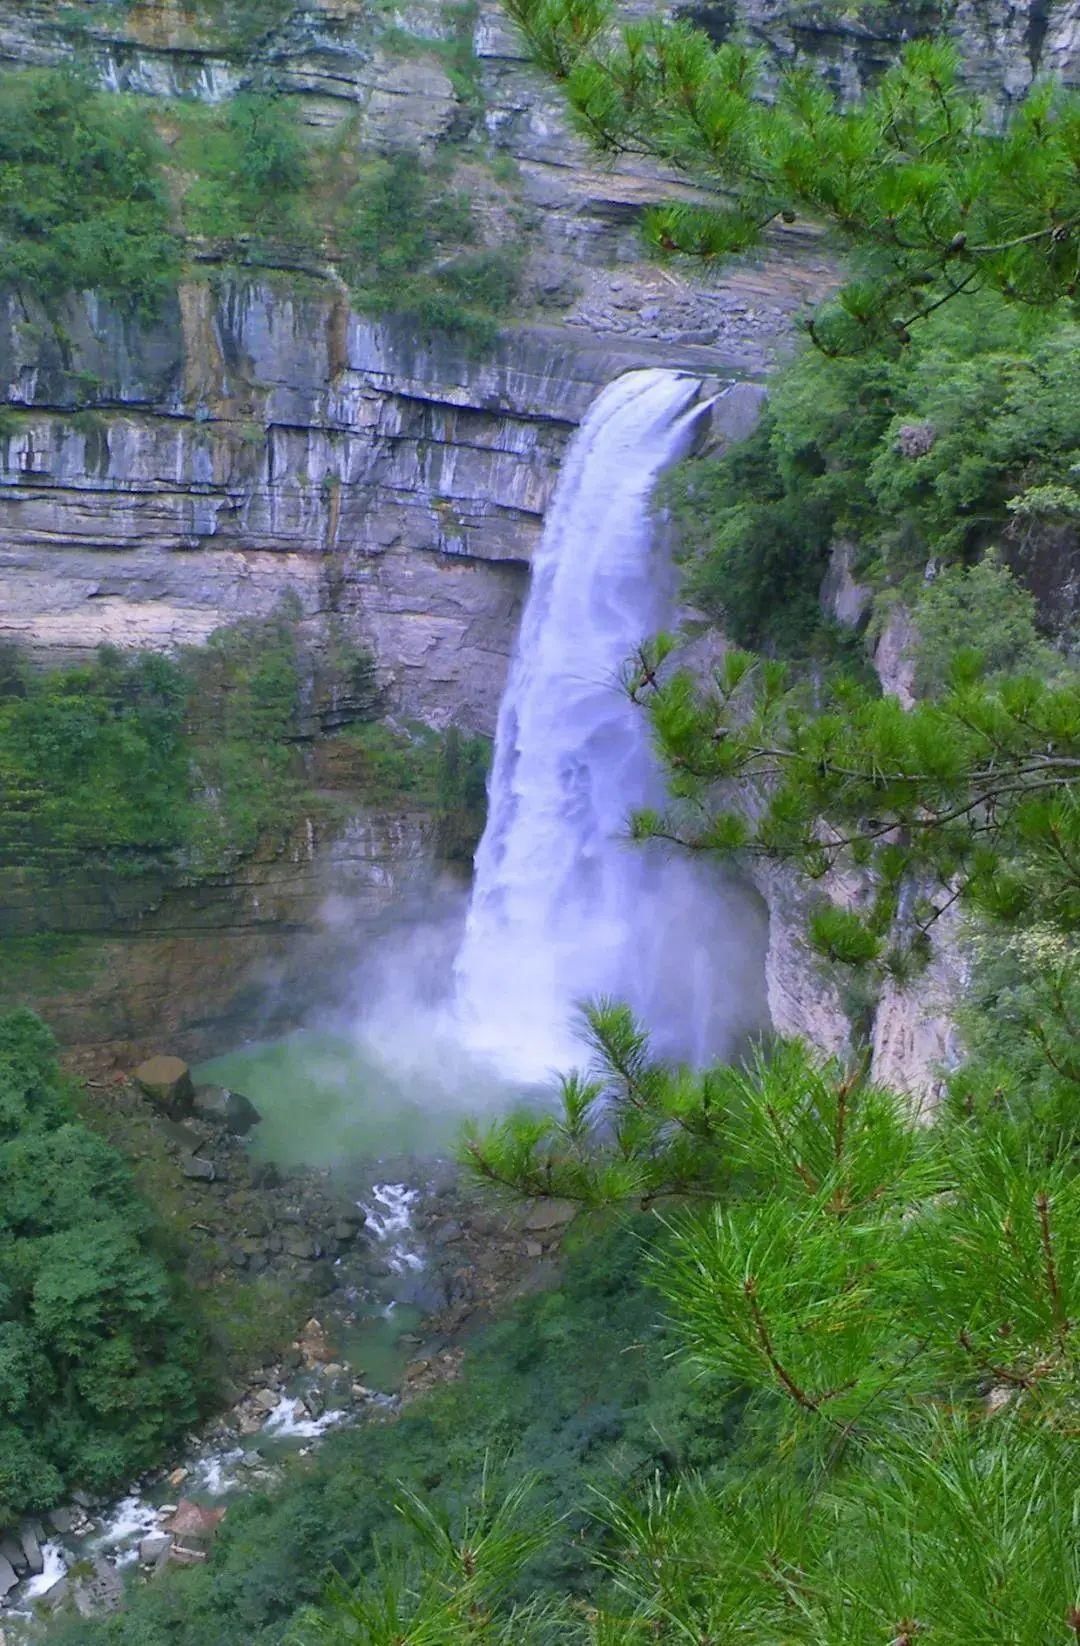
point(563, 907)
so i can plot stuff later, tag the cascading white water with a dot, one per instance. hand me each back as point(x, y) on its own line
point(563, 907)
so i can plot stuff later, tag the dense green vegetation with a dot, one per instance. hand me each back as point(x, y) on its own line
point(108, 193)
point(250, 169)
point(967, 438)
point(408, 246)
point(145, 763)
point(101, 1366)
point(83, 206)
point(142, 764)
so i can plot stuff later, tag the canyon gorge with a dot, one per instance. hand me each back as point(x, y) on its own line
point(261, 441)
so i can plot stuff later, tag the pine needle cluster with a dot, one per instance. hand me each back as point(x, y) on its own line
point(928, 196)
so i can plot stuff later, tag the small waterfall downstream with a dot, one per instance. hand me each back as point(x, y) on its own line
point(563, 907)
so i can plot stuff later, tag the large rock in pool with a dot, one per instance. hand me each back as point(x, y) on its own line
point(232, 1110)
point(167, 1082)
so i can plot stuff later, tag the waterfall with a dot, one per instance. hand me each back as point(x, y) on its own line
point(564, 908)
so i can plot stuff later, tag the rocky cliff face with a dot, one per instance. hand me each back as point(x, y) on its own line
point(268, 443)
point(244, 955)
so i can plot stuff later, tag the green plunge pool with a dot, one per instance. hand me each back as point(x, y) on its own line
point(331, 1097)
point(326, 1097)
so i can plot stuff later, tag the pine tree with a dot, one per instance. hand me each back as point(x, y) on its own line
point(925, 193)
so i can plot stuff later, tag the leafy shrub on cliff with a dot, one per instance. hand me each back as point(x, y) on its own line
point(403, 237)
point(987, 607)
point(251, 169)
point(99, 1364)
point(142, 762)
point(93, 762)
point(82, 203)
point(443, 772)
point(914, 453)
point(242, 721)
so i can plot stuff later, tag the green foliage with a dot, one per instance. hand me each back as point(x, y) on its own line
point(100, 1364)
point(925, 453)
point(841, 936)
point(92, 762)
point(456, 1593)
point(461, 793)
point(140, 764)
point(972, 795)
point(243, 23)
point(928, 198)
point(243, 714)
point(238, 25)
point(445, 773)
point(996, 617)
point(82, 204)
point(251, 168)
point(402, 242)
point(572, 1391)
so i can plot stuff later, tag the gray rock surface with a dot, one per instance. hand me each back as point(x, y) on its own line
point(194, 1166)
point(31, 1548)
point(227, 1108)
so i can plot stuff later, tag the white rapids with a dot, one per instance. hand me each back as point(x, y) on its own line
point(563, 907)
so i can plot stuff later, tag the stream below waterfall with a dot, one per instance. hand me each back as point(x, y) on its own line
point(104, 1542)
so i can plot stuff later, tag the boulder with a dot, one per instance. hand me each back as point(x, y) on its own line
point(8, 1576)
point(183, 1138)
point(155, 1548)
point(314, 1345)
point(61, 1520)
point(166, 1081)
point(226, 1108)
point(302, 1245)
point(190, 1521)
point(543, 1216)
point(196, 1167)
point(12, 1551)
point(31, 1548)
point(102, 1590)
point(266, 1400)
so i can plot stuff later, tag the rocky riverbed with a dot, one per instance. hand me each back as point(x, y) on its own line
point(395, 1262)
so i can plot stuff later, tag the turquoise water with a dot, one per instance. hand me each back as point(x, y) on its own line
point(329, 1098)
point(325, 1098)
point(373, 1347)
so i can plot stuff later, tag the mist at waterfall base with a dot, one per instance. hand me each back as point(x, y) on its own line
point(481, 1007)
